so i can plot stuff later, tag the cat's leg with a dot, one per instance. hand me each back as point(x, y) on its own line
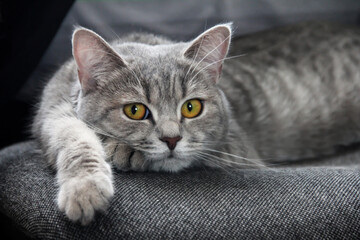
point(84, 177)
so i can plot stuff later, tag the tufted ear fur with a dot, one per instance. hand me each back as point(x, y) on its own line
point(210, 48)
point(93, 56)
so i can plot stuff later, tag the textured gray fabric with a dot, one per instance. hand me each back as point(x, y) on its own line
point(284, 203)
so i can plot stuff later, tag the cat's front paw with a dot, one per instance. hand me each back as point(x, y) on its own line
point(138, 162)
point(81, 196)
point(126, 159)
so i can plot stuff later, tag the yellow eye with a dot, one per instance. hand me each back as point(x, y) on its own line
point(191, 108)
point(136, 111)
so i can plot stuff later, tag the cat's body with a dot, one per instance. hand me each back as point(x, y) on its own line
point(295, 90)
point(294, 94)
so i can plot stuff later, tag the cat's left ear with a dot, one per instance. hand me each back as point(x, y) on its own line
point(210, 48)
point(93, 56)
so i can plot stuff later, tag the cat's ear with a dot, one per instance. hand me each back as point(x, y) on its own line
point(210, 48)
point(93, 56)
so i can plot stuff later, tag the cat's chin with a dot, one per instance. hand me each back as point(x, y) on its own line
point(168, 161)
point(170, 164)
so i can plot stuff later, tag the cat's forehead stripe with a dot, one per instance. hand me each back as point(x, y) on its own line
point(146, 89)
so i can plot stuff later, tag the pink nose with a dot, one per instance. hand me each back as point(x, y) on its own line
point(171, 141)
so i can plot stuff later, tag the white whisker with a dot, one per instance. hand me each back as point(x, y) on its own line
point(202, 69)
point(205, 158)
point(210, 52)
point(233, 155)
point(193, 60)
point(229, 161)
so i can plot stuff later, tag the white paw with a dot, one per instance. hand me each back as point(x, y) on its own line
point(81, 196)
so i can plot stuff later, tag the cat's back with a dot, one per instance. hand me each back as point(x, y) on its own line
point(297, 40)
point(296, 89)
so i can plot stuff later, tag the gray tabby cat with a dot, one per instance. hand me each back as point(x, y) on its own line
point(146, 103)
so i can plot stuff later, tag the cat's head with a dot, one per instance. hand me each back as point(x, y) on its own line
point(161, 99)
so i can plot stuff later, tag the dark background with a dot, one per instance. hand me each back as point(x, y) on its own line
point(26, 30)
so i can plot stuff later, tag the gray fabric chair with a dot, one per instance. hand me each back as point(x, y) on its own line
point(280, 203)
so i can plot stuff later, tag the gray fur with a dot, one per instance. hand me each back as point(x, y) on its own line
point(294, 94)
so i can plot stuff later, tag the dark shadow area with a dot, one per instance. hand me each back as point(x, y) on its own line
point(26, 30)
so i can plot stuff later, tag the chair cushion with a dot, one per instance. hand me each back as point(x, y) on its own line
point(281, 203)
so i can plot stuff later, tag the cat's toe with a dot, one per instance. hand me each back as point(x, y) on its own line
point(138, 162)
point(81, 197)
point(121, 157)
point(127, 159)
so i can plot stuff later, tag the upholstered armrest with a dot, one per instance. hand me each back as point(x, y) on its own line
point(286, 203)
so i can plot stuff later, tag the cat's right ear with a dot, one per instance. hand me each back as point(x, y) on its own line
point(93, 56)
point(211, 48)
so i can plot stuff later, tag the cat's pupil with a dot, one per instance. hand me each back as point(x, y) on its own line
point(134, 109)
point(189, 106)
